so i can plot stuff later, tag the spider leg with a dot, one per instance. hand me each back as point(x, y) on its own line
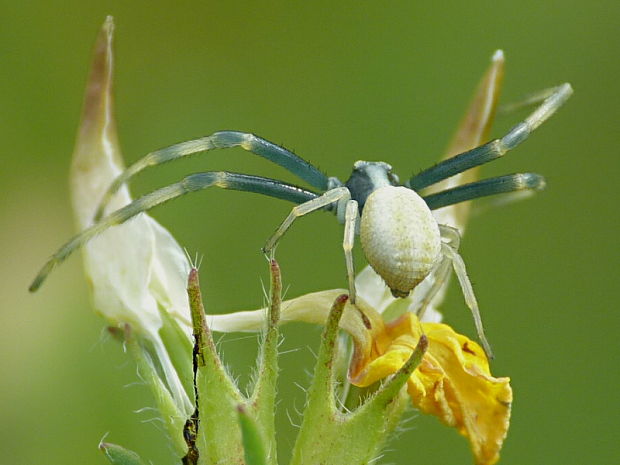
point(191, 183)
point(498, 185)
point(494, 149)
point(424, 296)
point(439, 275)
point(350, 222)
point(451, 253)
point(222, 139)
point(528, 100)
point(332, 196)
point(451, 234)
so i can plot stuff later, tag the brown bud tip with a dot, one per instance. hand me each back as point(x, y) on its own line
point(423, 343)
point(192, 278)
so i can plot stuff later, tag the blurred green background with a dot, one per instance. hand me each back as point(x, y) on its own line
point(336, 82)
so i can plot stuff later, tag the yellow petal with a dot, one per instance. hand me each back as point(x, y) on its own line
point(479, 404)
point(453, 382)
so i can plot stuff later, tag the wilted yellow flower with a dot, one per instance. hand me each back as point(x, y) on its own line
point(453, 382)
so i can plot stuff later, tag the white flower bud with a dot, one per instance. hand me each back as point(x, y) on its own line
point(136, 268)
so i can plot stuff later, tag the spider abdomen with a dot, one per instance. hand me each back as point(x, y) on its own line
point(400, 237)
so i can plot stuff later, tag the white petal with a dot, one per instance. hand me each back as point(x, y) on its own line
point(371, 287)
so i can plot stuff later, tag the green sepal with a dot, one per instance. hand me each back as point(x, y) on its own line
point(253, 444)
point(330, 436)
point(179, 349)
point(231, 428)
point(118, 455)
point(173, 418)
point(219, 434)
point(263, 399)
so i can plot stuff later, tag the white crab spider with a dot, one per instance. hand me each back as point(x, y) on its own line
point(400, 237)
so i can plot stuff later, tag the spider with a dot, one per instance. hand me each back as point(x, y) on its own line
point(399, 235)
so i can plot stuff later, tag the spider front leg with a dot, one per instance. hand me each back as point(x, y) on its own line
point(340, 195)
point(496, 148)
point(350, 223)
point(219, 140)
point(428, 289)
point(191, 183)
point(436, 280)
point(449, 250)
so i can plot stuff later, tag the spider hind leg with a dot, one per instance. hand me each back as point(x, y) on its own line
point(449, 250)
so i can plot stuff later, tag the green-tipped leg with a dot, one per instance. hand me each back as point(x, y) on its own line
point(486, 187)
point(192, 183)
point(496, 148)
point(222, 139)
